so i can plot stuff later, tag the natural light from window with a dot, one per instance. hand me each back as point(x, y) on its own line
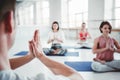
point(74, 12)
point(117, 13)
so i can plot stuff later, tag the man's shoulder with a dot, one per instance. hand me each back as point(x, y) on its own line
point(11, 75)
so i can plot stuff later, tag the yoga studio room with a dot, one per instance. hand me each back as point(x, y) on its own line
point(63, 39)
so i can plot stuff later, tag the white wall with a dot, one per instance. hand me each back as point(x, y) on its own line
point(109, 11)
point(95, 13)
point(95, 16)
point(99, 10)
point(55, 10)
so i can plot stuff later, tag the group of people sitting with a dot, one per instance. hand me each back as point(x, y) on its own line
point(104, 47)
point(56, 38)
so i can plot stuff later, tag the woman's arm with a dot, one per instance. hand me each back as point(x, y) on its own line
point(56, 67)
point(89, 36)
point(95, 47)
point(59, 40)
point(50, 40)
point(17, 62)
point(50, 37)
point(117, 46)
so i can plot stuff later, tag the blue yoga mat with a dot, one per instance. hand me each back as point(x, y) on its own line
point(72, 54)
point(67, 54)
point(22, 53)
point(83, 47)
point(80, 66)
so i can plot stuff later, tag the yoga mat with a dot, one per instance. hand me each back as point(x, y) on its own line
point(83, 47)
point(76, 47)
point(22, 53)
point(80, 66)
point(66, 54)
point(72, 54)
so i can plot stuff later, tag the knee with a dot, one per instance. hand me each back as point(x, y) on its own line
point(96, 67)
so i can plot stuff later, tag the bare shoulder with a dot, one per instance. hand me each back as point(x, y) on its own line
point(96, 40)
point(115, 41)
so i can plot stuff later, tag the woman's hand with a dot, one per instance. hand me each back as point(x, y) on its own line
point(107, 45)
point(111, 47)
point(30, 53)
point(36, 45)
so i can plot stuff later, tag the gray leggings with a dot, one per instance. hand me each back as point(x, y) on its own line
point(108, 66)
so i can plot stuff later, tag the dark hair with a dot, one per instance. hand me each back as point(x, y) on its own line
point(5, 7)
point(55, 22)
point(105, 23)
point(83, 23)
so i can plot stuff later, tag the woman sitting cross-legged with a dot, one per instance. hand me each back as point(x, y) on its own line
point(56, 38)
point(104, 48)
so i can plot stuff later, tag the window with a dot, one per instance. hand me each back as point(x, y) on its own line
point(43, 13)
point(117, 13)
point(34, 13)
point(74, 12)
point(25, 14)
